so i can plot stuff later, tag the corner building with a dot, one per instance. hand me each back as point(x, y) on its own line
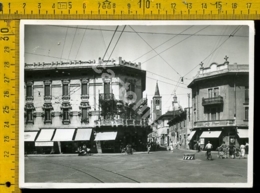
point(220, 98)
point(97, 103)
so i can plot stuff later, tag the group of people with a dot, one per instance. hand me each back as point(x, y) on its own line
point(232, 150)
point(83, 150)
point(224, 151)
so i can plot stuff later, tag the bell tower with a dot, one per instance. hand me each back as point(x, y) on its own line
point(156, 104)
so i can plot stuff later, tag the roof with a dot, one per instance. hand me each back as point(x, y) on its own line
point(157, 93)
point(216, 70)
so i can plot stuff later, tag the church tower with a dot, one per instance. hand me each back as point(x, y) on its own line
point(156, 104)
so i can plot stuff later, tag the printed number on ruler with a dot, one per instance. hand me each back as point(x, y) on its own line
point(8, 97)
point(92, 8)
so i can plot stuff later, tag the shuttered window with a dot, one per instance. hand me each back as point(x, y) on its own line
point(84, 89)
point(47, 90)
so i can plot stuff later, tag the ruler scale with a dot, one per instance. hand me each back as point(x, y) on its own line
point(12, 11)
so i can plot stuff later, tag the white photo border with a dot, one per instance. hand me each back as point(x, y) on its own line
point(23, 184)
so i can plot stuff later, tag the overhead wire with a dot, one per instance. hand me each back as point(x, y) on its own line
point(64, 44)
point(80, 44)
point(175, 44)
point(110, 42)
point(163, 43)
point(143, 32)
point(231, 35)
point(116, 42)
point(155, 51)
point(72, 42)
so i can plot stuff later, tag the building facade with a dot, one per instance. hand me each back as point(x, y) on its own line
point(220, 98)
point(98, 103)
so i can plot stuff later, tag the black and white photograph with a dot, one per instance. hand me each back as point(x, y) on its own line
point(129, 104)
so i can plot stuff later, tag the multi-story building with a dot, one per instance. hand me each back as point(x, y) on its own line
point(178, 124)
point(98, 103)
point(220, 104)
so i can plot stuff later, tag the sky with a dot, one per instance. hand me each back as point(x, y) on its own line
point(166, 52)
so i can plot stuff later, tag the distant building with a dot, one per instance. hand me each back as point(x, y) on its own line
point(98, 103)
point(220, 97)
point(178, 125)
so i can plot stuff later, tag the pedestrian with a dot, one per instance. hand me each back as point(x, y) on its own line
point(242, 149)
point(223, 150)
point(209, 147)
point(148, 147)
point(246, 148)
point(198, 144)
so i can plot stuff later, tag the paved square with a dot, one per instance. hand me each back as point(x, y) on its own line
point(156, 167)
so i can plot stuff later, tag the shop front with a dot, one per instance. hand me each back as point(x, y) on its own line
point(57, 140)
point(214, 137)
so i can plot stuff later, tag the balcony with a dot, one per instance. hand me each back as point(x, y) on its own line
point(106, 96)
point(65, 97)
point(121, 122)
point(215, 123)
point(212, 101)
point(29, 98)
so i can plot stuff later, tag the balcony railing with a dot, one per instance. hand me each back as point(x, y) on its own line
point(106, 96)
point(29, 98)
point(215, 123)
point(121, 122)
point(66, 97)
point(212, 101)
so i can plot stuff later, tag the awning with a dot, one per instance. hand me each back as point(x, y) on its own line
point(83, 134)
point(210, 134)
point(191, 135)
point(45, 135)
point(242, 133)
point(30, 135)
point(63, 135)
point(106, 136)
point(44, 144)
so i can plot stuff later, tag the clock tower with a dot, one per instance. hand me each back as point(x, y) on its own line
point(156, 104)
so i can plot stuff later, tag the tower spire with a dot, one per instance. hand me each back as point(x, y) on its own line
point(157, 93)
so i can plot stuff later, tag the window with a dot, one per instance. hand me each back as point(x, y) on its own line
point(84, 89)
point(29, 116)
point(65, 89)
point(216, 92)
point(210, 93)
point(84, 115)
point(47, 90)
point(65, 114)
point(107, 87)
point(29, 92)
point(213, 114)
point(246, 113)
point(157, 102)
point(47, 115)
point(246, 94)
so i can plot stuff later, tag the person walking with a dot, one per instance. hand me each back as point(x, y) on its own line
point(148, 147)
point(209, 147)
point(198, 144)
point(243, 150)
